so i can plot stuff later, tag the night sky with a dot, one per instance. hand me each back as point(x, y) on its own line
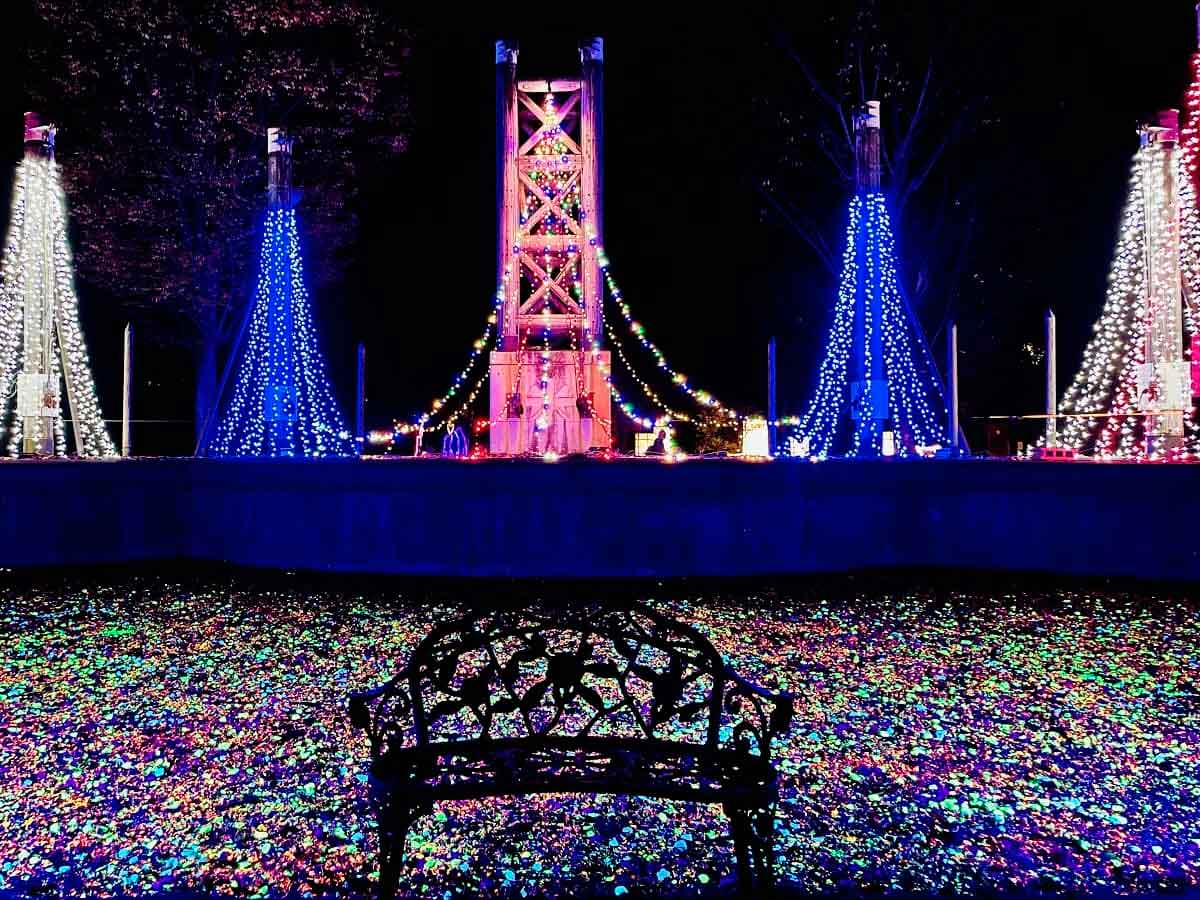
point(1055, 92)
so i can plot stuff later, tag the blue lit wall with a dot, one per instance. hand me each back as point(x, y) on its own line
point(595, 519)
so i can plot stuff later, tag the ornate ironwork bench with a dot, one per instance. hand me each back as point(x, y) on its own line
point(588, 698)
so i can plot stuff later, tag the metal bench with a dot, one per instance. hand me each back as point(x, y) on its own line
point(590, 697)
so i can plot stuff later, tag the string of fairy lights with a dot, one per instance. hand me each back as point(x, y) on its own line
point(441, 404)
point(648, 391)
point(638, 332)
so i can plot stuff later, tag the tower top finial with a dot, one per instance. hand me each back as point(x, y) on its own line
point(867, 115)
point(39, 136)
point(279, 141)
point(507, 52)
point(866, 146)
point(591, 49)
point(279, 168)
point(1162, 129)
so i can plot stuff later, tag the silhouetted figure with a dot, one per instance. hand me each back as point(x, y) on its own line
point(659, 447)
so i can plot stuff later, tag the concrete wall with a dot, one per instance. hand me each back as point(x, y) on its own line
point(593, 519)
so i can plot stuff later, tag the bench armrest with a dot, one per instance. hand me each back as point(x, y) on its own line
point(380, 711)
point(765, 715)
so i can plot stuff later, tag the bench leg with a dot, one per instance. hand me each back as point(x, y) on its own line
point(739, 824)
point(393, 829)
point(762, 841)
point(754, 845)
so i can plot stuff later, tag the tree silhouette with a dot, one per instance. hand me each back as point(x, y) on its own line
point(925, 119)
point(164, 106)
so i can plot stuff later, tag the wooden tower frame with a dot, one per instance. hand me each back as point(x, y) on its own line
point(549, 381)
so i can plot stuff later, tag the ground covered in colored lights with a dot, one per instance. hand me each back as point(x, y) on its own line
point(162, 734)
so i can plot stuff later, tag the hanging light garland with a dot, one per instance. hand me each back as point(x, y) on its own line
point(438, 406)
point(678, 379)
point(645, 388)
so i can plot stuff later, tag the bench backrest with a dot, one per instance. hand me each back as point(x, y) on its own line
point(589, 669)
point(585, 669)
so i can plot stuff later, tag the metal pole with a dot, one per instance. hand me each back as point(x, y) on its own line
point(361, 396)
point(870, 379)
point(1051, 382)
point(507, 143)
point(591, 141)
point(952, 368)
point(127, 395)
point(771, 414)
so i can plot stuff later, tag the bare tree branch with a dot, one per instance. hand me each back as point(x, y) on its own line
point(808, 232)
point(915, 121)
point(913, 184)
point(862, 80)
point(828, 99)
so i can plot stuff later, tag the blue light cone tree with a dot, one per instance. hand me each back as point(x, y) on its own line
point(877, 374)
point(282, 404)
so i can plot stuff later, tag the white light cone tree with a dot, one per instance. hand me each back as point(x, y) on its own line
point(1111, 403)
point(42, 350)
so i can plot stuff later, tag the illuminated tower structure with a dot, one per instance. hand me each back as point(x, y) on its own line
point(877, 390)
point(1132, 394)
point(1163, 376)
point(282, 404)
point(41, 344)
point(549, 389)
point(1189, 189)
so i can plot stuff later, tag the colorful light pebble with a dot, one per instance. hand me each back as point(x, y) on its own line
point(163, 737)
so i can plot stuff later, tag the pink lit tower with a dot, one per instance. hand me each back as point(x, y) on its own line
point(1163, 388)
point(549, 386)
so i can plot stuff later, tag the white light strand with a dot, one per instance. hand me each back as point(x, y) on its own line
point(821, 421)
